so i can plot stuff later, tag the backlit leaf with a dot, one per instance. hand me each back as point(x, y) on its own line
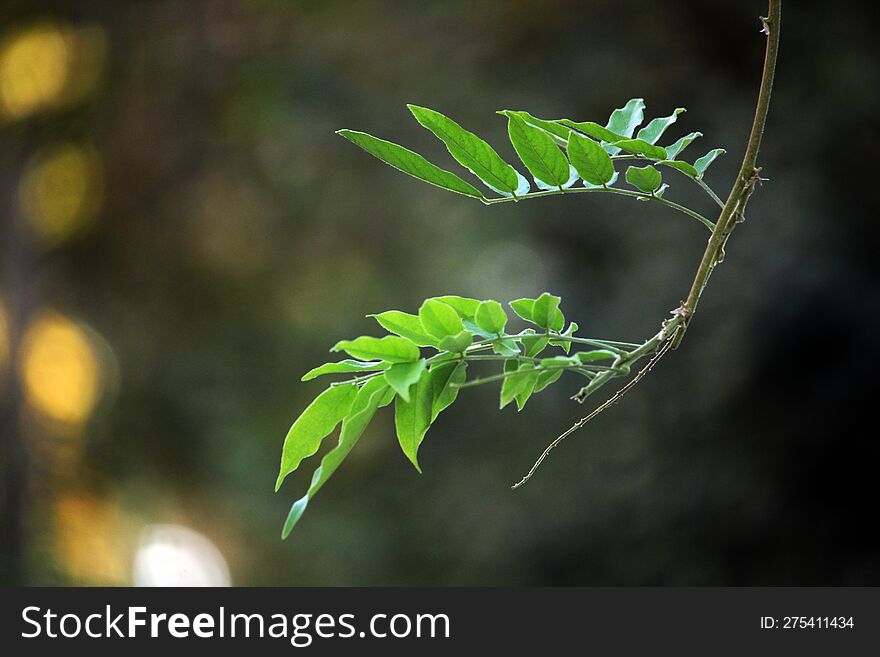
point(445, 380)
point(470, 151)
point(439, 319)
point(457, 343)
point(464, 306)
point(539, 152)
point(684, 167)
point(646, 179)
point(642, 148)
point(412, 418)
point(405, 325)
point(523, 308)
point(625, 120)
point(490, 317)
point(410, 163)
point(590, 160)
point(595, 355)
point(401, 376)
point(592, 129)
point(545, 312)
point(675, 150)
point(313, 425)
point(553, 128)
point(344, 367)
point(391, 348)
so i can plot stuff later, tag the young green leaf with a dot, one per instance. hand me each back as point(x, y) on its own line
point(412, 418)
point(684, 167)
point(538, 152)
point(445, 381)
point(646, 179)
point(592, 129)
point(675, 150)
point(401, 376)
point(518, 386)
point(566, 344)
point(523, 308)
point(552, 128)
point(465, 307)
point(315, 423)
point(703, 163)
point(505, 347)
point(595, 355)
point(490, 317)
point(375, 393)
point(405, 325)
point(642, 148)
point(534, 343)
point(625, 120)
point(410, 163)
point(546, 313)
point(590, 160)
point(391, 348)
point(458, 343)
point(344, 367)
point(546, 378)
point(656, 127)
point(439, 319)
point(471, 152)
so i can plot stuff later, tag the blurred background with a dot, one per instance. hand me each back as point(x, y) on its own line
point(183, 236)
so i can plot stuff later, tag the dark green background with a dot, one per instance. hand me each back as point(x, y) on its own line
point(240, 238)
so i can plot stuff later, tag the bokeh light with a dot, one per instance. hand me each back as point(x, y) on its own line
point(47, 66)
point(90, 541)
point(61, 373)
point(171, 555)
point(61, 191)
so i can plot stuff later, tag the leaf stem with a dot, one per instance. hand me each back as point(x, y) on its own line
point(612, 190)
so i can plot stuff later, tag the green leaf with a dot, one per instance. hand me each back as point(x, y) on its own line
point(390, 348)
point(675, 150)
point(684, 167)
point(553, 128)
point(642, 148)
point(546, 313)
point(538, 152)
point(505, 347)
point(656, 127)
point(596, 355)
point(439, 319)
point(412, 418)
point(375, 393)
point(590, 160)
point(592, 129)
point(410, 163)
point(490, 317)
point(344, 367)
point(518, 386)
point(445, 381)
point(625, 120)
point(533, 343)
point(646, 179)
point(523, 308)
point(401, 376)
point(458, 343)
point(313, 425)
point(703, 163)
point(546, 378)
point(471, 152)
point(465, 307)
point(405, 325)
point(565, 344)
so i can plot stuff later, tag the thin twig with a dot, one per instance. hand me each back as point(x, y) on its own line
point(610, 402)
